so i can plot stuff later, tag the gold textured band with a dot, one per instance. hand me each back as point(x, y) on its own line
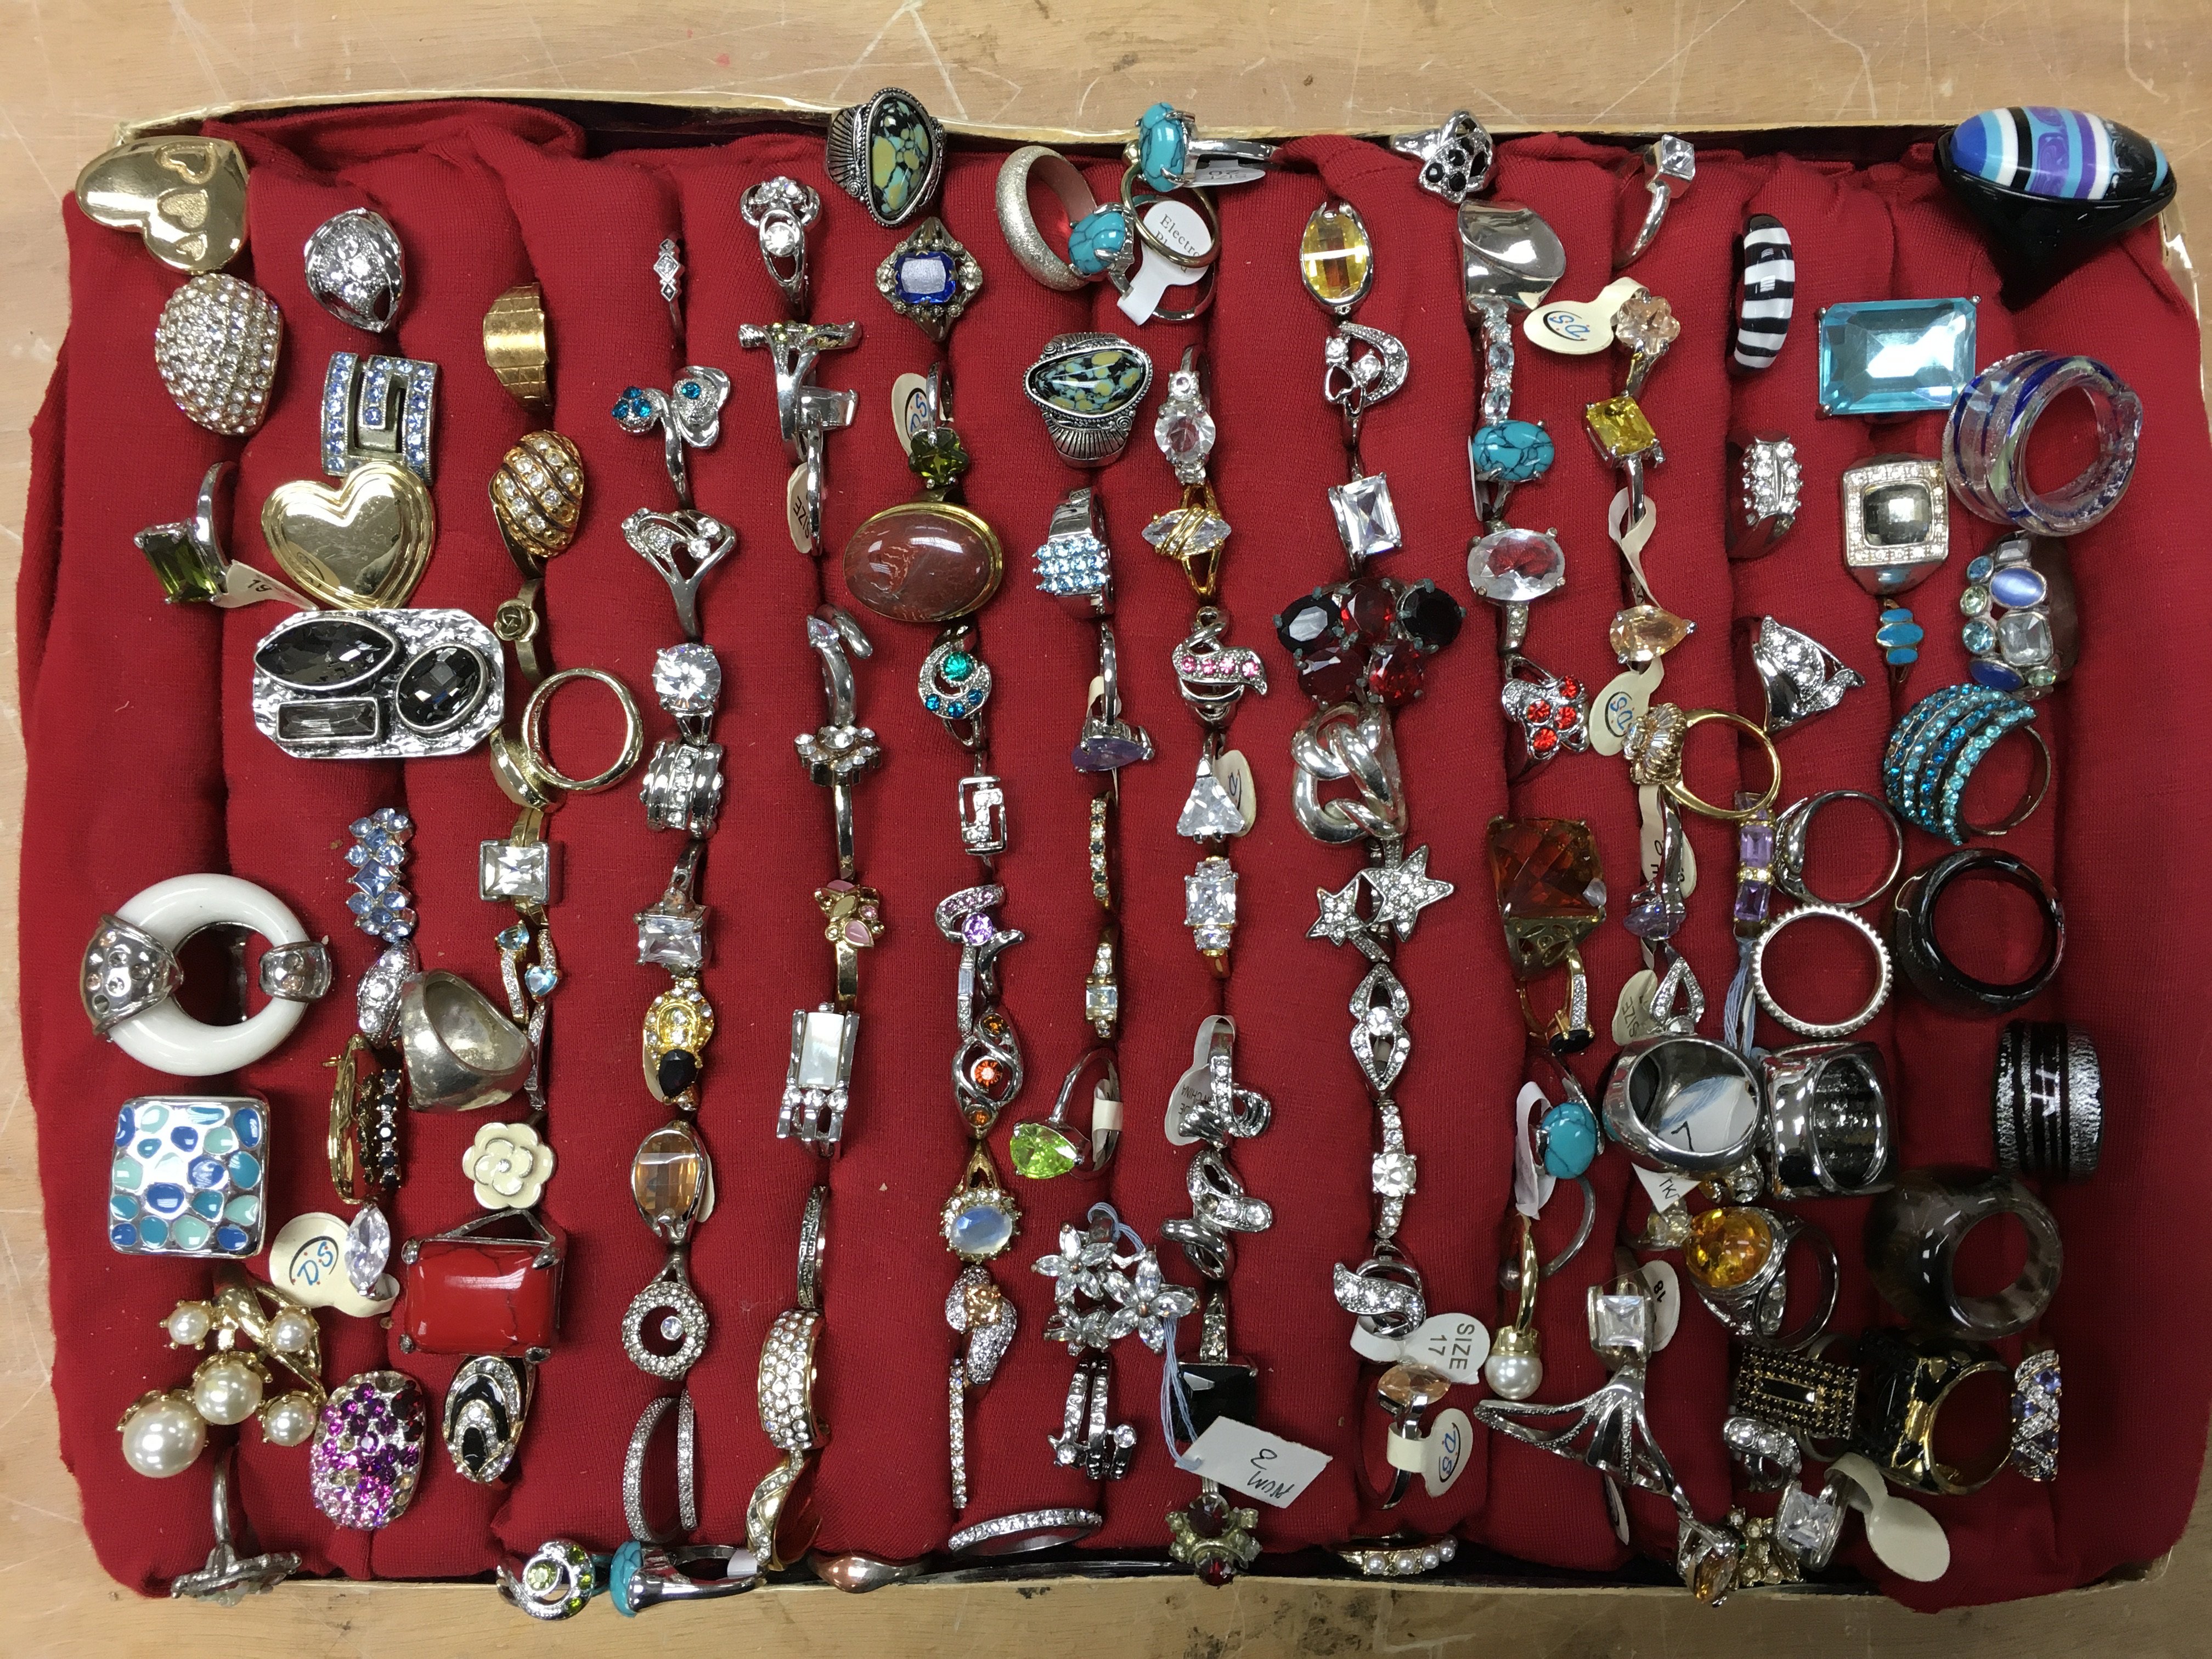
point(517, 348)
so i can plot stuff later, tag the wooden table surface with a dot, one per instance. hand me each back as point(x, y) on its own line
point(69, 71)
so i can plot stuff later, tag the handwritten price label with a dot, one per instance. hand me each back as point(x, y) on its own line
point(1254, 1462)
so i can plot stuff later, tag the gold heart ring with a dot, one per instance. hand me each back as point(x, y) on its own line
point(362, 546)
point(185, 196)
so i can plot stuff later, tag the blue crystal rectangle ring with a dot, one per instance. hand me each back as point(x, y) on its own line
point(1895, 356)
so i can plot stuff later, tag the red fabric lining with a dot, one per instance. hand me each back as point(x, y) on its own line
point(121, 697)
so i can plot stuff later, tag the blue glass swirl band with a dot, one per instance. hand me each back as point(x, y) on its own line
point(1985, 442)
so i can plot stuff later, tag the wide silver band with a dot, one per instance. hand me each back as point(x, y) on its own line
point(1654, 1078)
point(1030, 1529)
point(687, 1445)
point(1849, 919)
point(1018, 221)
point(682, 787)
point(460, 1051)
point(1828, 1122)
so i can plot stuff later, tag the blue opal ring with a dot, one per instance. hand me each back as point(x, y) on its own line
point(1985, 442)
point(2022, 623)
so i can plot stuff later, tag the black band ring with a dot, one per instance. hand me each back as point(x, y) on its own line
point(1913, 943)
point(2046, 1101)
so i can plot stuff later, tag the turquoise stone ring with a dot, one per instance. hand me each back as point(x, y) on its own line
point(1088, 387)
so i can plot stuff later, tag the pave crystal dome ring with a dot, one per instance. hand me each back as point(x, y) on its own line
point(354, 271)
point(130, 975)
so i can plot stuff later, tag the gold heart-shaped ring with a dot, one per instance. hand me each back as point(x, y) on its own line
point(362, 546)
point(185, 195)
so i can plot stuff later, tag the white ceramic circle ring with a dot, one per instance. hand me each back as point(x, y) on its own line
point(165, 1036)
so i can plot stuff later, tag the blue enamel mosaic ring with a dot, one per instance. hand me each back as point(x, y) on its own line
point(2050, 186)
point(188, 1175)
point(1985, 442)
point(888, 154)
point(1935, 749)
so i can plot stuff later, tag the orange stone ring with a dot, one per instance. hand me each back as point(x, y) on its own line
point(1736, 1256)
point(1655, 750)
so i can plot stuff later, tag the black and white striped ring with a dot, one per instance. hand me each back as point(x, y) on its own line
point(1767, 288)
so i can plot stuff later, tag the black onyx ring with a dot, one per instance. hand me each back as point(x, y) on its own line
point(1919, 953)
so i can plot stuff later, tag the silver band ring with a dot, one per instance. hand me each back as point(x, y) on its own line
point(1030, 1529)
point(687, 1490)
point(1660, 1086)
point(1792, 831)
point(461, 1053)
point(1858, 924)
point(1018, 222)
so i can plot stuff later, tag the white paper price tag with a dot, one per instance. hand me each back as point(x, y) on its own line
point(1666, 1187)
point(308, 1263)
point(1622, 698)
point(1182, 229)
point(1578, 328)
point(1632, 1015)
point(1234, 774)
point(1105, 1110)
point(794, 509)
point(1654, 831)
point(1666, 1289)
point(1453, 1343)
point(1532, 1187)
point(1447, 1445)
point(1252, 1461)
point(243, 585)
point(910, 408)
point(1908, 1541)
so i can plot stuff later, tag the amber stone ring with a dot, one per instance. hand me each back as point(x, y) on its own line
point(1736, 1255)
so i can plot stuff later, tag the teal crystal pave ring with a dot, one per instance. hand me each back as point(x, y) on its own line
point(1935, 748)
point(2050, 186)
point(888, 154)
point(1985, 442)
point(1883, 357)
point(1169, 155)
